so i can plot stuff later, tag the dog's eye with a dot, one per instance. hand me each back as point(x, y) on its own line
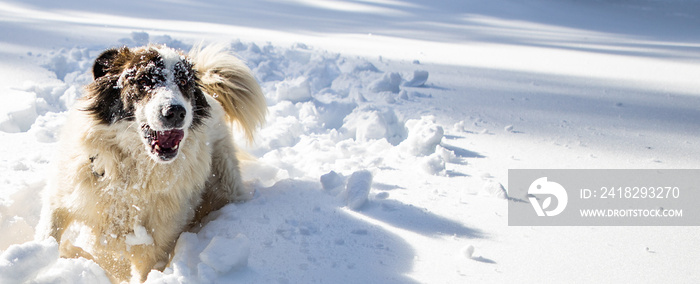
point(182, 82)
point(144, 82)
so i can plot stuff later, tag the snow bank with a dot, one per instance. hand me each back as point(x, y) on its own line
point(69, 271)
point(41, 106)
point(296, 90)
point(38, 262)
point(20, 112)
point(19, 217)
point(21, 263)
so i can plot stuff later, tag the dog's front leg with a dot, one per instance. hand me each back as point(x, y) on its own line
point(145, 258)
point(224, 184)
point(60, 218)
point(58, 221)
point(54, 223)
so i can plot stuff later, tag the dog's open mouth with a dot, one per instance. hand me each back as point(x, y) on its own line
point(163, 144)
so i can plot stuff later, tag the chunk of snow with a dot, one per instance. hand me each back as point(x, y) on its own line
point(460, 126)
point(468, 251)
point(494, 189)
point(224, 254)
point(372, 123)
point(389, 82)
point(423, 136)
point(357, 189)
point(371, 126)
point(433, 164)
point(139, 237)
point(331, 180)
point(447, 155)
point(419, 79)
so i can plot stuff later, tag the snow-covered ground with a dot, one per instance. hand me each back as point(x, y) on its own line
point(392, 127)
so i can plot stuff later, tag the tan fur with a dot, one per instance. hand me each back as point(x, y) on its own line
point(222, 73)
point(105, 179)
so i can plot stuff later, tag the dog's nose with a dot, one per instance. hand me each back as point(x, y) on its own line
point(173, 116)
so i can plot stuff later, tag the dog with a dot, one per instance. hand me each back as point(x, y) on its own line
point(148, 151)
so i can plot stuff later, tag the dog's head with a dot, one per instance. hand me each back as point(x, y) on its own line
point(154, 88)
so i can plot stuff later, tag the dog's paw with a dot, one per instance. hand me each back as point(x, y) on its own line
point(245, 192)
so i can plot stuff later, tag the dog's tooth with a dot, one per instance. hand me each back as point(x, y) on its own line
point(175, 147)
point(157, 147)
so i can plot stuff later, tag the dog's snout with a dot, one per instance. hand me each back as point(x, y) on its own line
point(173, 116)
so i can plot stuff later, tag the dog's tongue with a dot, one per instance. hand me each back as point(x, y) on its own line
point(170, 138)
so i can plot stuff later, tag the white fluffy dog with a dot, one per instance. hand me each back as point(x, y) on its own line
point(148, 152)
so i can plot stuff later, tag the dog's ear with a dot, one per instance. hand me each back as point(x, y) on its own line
point(105, 61)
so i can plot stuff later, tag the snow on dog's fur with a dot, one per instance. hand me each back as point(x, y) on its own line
point(148, 152)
